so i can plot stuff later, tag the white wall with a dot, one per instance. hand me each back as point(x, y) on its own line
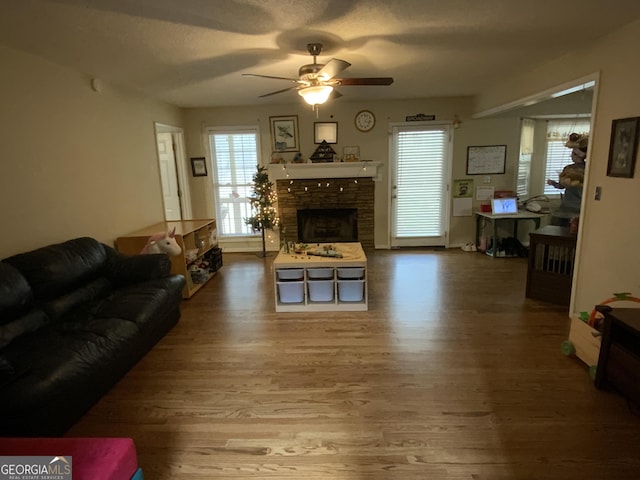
point(610, 233)
point(374, 145)
point(74, 162)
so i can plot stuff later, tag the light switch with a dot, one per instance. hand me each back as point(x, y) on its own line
point(598, 193)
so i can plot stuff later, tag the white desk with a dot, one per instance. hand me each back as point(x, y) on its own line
point(495, 220)
point(294, 295)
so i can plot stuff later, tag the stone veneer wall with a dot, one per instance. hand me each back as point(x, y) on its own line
point(292, 197)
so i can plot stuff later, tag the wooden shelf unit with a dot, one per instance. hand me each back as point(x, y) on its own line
point(199, 234)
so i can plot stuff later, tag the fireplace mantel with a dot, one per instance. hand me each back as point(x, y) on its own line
point(295, 171)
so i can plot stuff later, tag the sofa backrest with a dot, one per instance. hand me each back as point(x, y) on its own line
point(57, 269)
point(18, 312)
point(16, 296)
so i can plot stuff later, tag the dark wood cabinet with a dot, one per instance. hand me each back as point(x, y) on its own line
point(552, 253)
point(619, 360)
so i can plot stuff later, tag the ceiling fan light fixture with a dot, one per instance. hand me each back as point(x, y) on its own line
point(316, 95)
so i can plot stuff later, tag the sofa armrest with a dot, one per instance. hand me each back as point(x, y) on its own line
point(127, 269)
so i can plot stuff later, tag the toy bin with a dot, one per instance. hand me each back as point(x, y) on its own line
point(351, 273)
point(291, 291)
point(290, 273)
point(321, 290)
point(320, 273)
point(351, 290)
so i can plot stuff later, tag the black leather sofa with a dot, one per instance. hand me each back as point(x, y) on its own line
point(74, 318)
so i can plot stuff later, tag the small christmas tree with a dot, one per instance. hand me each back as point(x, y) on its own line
point(262, 203)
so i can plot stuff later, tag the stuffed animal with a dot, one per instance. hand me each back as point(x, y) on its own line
point(162, 242)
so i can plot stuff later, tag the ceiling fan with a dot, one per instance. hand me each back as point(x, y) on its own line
point(317, 81)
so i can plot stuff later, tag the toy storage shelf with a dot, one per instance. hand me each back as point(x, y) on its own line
point(307, 283)
point(198, 240)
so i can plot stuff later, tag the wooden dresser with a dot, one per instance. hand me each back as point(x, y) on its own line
point(619, 360)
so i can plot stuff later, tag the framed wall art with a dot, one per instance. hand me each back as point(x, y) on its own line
point(486, 159)
point(325, 131)
point(199, 166)
point(623, 148)
point(284, 134)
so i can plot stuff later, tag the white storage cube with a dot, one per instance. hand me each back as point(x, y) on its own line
point(351, 272)
point(320, 273)
point(321, 290)
point(290, 274)
point(351, 290)
point(291, 292)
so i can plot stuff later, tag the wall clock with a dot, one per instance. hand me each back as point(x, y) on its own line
point(365, 120)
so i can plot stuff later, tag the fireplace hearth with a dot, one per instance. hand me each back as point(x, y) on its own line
point(327, 225)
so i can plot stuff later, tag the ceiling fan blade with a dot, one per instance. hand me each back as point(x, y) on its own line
point(277, 91)
point(332, 68)
point(335, 94)
point(364, 81)
point(269, 76)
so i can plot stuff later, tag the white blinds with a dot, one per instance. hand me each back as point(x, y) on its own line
point(558, 156)
point(420, 157)
point(524, 160)
point(235, 157)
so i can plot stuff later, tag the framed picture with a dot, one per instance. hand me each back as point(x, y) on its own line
point(199, 166)
point(486, 159)
point(325, 131)
point(351, 154)
point(623, 148)
point(284, 134)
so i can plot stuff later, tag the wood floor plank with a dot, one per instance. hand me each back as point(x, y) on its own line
point(451, 374)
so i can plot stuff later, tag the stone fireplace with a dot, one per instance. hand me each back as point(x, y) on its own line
point(339, 197)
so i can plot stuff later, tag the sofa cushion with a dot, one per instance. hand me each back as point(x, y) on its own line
point(94, 290)
point(125, 270)
point(57, 269)
point(16, 296)
point(30, 322)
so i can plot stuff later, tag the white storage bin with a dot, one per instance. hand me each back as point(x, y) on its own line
point(320, 273)
point(321, 290)
point(351, 290)
point(291, 291)
point(290, 274)
point(351, 272)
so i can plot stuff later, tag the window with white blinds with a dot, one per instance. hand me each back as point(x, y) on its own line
point(524, 160)
point(420, 184)
point(234, 155)
point(558, 155)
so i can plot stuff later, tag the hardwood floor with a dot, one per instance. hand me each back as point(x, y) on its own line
point(451, 374)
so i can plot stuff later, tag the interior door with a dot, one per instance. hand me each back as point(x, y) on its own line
point(420, 170)
point(169, 177)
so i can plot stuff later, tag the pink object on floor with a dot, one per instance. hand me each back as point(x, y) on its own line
point(92, 458)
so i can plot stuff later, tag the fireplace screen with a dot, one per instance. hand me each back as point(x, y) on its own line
point(327, 225)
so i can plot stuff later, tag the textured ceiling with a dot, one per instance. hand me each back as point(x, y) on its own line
point(192, 52)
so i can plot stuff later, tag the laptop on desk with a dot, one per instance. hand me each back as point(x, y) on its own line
point(504, 206)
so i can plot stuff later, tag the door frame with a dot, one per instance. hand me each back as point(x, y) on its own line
point(547, 94)
point(447, 176)
point(177, 136)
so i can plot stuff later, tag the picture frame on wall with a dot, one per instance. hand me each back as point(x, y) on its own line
point(284, 134)
point(325, 131)
point(623, 148)
point(199, 166)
